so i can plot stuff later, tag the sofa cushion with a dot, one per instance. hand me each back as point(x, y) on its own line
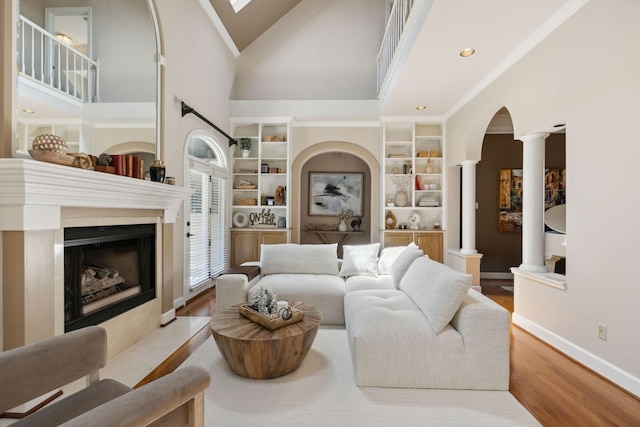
point(402, 262)
point(291, 258)
point(436, 289)
point(393, 345)
point(387, 257)
point(357, 283)
point(323, 291)
point(360, 260)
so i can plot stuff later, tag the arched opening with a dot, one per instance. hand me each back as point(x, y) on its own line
point(499, 195)
point(336, 157)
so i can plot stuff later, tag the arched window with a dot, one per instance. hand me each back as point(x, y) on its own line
point(206, 255)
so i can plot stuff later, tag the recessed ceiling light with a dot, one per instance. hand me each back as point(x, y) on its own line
point(26, 110)
point(421, 107)
point(467, 52)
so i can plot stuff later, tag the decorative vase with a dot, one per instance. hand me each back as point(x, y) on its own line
point(245, 153)
point(401, 198)
point(429, 168)
point(342, 226)
point(157, 171)
point(282, 222)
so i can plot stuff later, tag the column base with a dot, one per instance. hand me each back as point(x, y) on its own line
point(533, 268)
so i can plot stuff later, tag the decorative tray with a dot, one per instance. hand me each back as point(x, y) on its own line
point(270, 323)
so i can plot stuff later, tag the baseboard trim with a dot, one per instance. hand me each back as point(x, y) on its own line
point(179, 302)
point(168, 317)
point(496, 275)
point(611, 372)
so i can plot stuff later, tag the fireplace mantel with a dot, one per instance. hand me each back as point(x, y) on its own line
point(33, 193)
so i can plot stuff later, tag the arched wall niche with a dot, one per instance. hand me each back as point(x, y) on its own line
point(373, 186)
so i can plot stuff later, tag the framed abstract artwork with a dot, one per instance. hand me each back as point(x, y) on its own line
point(330, 192)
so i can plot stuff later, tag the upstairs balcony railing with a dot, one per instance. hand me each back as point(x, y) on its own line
point(44, 58)
point(392, 36)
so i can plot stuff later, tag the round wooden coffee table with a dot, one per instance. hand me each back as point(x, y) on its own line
point(254, 351)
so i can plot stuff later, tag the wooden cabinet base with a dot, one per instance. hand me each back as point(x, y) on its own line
point(430, 242)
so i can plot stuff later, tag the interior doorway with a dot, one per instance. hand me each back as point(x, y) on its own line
point(72, 26)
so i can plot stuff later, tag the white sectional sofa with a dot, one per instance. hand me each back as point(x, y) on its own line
point(411, 321)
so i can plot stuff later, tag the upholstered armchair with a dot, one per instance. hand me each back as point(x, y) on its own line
point(31, 371)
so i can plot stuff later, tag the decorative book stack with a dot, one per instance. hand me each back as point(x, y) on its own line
point(428, 201)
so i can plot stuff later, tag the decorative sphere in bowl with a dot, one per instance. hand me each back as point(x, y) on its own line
point(50, 143)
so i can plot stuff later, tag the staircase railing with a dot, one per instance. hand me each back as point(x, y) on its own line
point(393, 33)
point(44, 58)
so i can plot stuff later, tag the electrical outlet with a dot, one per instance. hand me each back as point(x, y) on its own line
point(602, 331)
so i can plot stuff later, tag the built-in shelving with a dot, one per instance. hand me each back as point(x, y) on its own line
point(414, 164)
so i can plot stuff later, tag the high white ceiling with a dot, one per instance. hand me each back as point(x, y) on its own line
point(433, 74)
point(500, 31)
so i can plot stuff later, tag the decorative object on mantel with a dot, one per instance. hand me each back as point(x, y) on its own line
point(245, 146)
point(103, 164)
point(48, 142)
point(157, 171)
point(53, 149)
point(345, 215)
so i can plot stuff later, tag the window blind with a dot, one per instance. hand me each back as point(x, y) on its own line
point(218, 226)
point(198, 229)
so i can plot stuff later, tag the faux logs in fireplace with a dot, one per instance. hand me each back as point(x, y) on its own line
point(108, 270)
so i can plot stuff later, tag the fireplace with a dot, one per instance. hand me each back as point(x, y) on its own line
point(108, 270)
point(38, 202)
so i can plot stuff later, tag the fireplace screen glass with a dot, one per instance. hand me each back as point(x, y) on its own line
point(108, 270)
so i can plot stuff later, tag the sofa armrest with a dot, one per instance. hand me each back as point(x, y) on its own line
point(38, 368)
point(233, 289)
point(483, 324)
point(144, 405)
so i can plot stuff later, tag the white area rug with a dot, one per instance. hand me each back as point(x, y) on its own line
point(322, 392)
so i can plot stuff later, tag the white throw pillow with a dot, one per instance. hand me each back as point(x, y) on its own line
point(387, 257)
point(436, 289)
point(403, 261)
point(360, 260)
point(291, 258)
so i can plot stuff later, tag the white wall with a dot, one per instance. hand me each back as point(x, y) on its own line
point(584, 74)
point(125, 44)
point(199, 70)
point(322, 49)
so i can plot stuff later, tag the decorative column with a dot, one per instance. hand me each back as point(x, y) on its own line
point(533, 202)
point(469, 207)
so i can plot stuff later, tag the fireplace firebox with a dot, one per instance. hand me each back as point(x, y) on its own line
point(108, 270)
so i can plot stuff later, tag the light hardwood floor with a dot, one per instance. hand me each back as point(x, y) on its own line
point(554, 388)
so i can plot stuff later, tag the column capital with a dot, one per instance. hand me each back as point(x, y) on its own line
point(469, 162)
point(533, 137)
